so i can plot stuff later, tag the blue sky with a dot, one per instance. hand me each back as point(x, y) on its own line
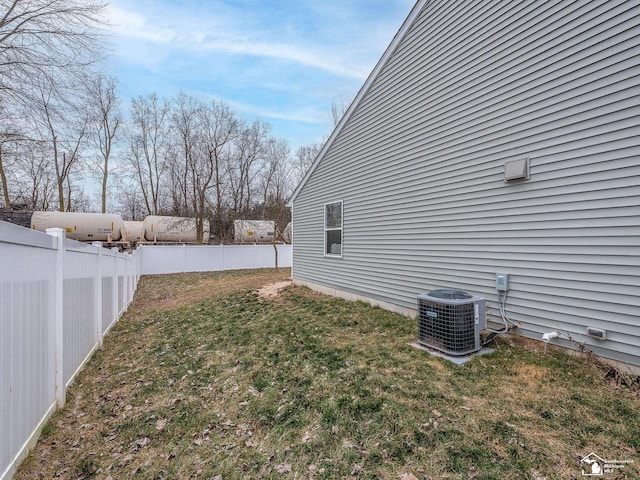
point(282, 61)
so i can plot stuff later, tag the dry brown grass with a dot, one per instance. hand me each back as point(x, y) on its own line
point(167, 292)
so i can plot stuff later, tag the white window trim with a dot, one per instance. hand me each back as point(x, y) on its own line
point(325, 230)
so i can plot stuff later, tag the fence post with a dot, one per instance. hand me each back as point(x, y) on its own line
point(137, 254)
point(134, 271)
point(129, 280)
point(97, 295)
point(58, 292)
point(114, 299)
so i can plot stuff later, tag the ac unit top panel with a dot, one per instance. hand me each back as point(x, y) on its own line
point(449, 297)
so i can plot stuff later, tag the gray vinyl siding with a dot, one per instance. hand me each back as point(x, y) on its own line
point(419, 165)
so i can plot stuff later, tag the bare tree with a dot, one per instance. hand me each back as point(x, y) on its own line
point(203, 135)
point(303, 159)
point(54, 38)
point(105, 124)
point(148, 147)
point(36, 182)
point(76, 198)
point(26, 170)
point(128, 199)
point(45, 46)
point(11, 133)
point(338, 109)
point(219, 127)
point(6, 139)
point(273, 174)
point(245, 164)
point(184, 112)
point(64, 121)
point(305, 155)
point(3, 179)
point(275, 186)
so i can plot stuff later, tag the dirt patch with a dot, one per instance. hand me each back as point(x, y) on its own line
point(273, 290)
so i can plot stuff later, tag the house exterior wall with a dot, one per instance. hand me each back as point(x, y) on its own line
point(419, 166)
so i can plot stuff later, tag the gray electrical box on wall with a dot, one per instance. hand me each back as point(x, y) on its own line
point(502, 282)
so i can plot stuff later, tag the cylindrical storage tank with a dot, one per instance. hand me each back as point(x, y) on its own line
point(134, 231)
point(158, 228)
point(85, 227)
point(286, 233)
point(253, 231)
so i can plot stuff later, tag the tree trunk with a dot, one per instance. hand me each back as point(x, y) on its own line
point(3, 179)
point(104, 184)
point(275, 245)
point(60, 179)
point(68, 209)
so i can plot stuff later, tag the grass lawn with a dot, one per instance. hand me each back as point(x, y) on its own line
point(204, 378)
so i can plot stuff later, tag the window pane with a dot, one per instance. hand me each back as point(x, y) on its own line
point(334, 242)
point(333, 213)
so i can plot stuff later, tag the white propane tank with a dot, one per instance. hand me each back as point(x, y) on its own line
point(286, 233)
point(253, 231)
point(134, 231)
point(158, 228)
point(85, 227)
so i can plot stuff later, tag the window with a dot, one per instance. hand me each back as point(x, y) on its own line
point(333, 229)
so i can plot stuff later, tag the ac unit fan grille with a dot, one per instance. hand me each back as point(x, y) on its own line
point(447, 327)
point(450, 321)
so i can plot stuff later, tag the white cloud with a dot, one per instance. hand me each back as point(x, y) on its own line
point(307, 115)
point(132, 24)
point(283, 61)
point(196, 35)
point(292, 53)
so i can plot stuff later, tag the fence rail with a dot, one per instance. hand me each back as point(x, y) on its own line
point(58, 298)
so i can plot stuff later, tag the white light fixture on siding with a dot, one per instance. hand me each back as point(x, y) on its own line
point(516, 170)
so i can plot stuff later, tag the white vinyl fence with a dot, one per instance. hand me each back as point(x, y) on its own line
point(159, 259)
point(58, 297)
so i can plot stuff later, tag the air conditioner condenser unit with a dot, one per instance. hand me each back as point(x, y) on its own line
point(451, 320)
